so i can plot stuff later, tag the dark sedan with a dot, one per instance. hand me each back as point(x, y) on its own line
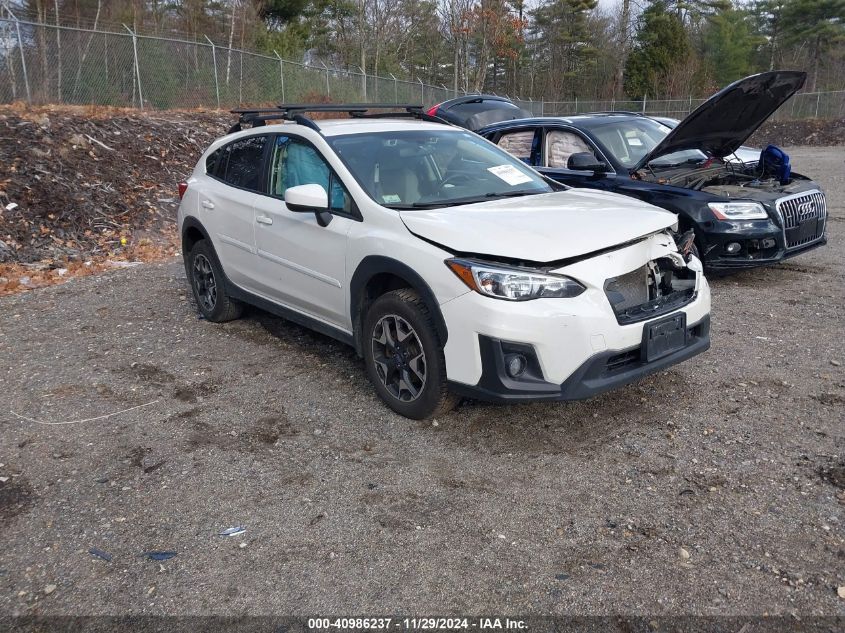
point(743, 215)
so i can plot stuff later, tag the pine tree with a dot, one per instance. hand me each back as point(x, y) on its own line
point(662, 49)
point(562, 46)
point(816, 24)
point(729, 45)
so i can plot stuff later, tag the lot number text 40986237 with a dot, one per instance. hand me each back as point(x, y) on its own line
point(416, 624)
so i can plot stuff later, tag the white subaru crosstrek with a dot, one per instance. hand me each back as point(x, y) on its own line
point(453, 268)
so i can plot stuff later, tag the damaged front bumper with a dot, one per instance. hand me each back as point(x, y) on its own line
point(568, 349)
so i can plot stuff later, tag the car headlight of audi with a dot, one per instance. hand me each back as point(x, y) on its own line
point(738, 210)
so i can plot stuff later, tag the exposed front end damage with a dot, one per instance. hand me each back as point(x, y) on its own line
point(645, 307)
point(661, 286)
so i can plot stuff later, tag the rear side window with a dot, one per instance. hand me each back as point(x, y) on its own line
point(520, 144)
point(212, 162)
point(244, 163)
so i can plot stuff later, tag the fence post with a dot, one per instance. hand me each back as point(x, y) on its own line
point(363, 82)
point(818, 99)
point(10, 66)
point(214, 59)
point(689, 109)
point(58, 53)
point(422, 91)
point(137, 67)
point(281, 73)
point(23, 57)
point(644, 99)
point(328, 88)
point(542, 107)
point(395, 89)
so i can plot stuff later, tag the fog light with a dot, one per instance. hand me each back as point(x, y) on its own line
point(515, 365)
point(732, 248)
point(768, 243)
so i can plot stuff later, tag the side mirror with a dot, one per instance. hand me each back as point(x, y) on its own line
point(585, 161)
point(309, 199)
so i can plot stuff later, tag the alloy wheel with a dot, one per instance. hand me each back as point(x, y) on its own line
point(399, 358)
point(204, 282)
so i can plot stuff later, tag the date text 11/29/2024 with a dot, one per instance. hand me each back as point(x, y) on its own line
point(415, 624)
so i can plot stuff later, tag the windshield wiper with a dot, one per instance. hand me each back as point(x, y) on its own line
point(472, 199)
point(436, 204)
point(513, 194)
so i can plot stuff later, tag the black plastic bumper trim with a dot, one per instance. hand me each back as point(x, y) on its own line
point(725, 264)
point(590, 379)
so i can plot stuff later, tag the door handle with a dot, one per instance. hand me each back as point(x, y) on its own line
point(263, 219)
point(208, 204)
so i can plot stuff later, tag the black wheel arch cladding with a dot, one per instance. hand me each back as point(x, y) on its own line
point(189, 225)
point(371, 267)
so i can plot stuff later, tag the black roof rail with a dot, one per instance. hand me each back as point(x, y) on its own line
point(256, 117)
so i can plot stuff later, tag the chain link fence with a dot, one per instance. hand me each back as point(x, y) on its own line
point(42, 63)
point(804, 105)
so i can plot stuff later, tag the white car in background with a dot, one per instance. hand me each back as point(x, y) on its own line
point(453, 268)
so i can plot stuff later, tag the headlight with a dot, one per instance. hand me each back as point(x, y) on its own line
point(738, 210)
point(513, 283)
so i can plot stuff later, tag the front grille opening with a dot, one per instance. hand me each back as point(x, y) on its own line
point(804, 218)
point(620, 361)
point(633, 357)
point(659, 287)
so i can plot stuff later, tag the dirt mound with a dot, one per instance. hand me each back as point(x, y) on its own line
point(814, 132)
point(82, 184)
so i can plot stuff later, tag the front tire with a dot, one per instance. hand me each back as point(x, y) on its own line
point(404, 357)
point(207, 282)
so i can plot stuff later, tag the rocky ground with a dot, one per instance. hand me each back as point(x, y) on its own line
point(128, 426)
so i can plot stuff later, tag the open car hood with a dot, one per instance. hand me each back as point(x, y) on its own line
point(722, 123)
point(540, 228)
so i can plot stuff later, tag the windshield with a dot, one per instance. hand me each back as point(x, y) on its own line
point(424, 169)
point(631, 139)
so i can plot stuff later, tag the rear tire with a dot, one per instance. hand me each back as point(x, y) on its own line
point(208, 285)
point(404, 356)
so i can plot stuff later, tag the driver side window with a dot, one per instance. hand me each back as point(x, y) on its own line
point(295, 163)
point(560, 145)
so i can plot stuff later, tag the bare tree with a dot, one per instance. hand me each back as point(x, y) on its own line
point(235, 5)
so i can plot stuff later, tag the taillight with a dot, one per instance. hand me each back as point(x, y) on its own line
point(432, 111)
point(183, 187)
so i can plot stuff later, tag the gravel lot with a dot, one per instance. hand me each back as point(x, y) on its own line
point(713, 488)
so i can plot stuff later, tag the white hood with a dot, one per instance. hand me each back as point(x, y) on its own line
point(541, 228)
